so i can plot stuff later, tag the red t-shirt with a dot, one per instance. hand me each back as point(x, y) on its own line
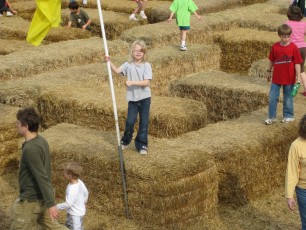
point(284, 59)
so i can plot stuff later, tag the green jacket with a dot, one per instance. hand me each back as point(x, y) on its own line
point(35, 172)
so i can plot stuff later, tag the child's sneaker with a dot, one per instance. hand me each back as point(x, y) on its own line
point(9, 14)
point(269, 121)
point(1, 15)
point(143, 152)
point(123, 146)
point(142, 15)
point(184, 48)
point(133, 17)
point(287, 120)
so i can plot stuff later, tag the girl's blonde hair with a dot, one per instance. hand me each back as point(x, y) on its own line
point(143, 46)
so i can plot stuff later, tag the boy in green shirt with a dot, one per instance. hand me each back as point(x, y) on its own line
point(183, 9)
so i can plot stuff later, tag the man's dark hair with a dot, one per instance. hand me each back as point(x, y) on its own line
point(73, 6)
point(294, 13)
point(302, 128)
point(29, 117)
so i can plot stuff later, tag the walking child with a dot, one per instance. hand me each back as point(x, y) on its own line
point(285, 59)
point(76, 197)
point(139, 76)
point(5, 6)
point(141, 4)
point(182, 10)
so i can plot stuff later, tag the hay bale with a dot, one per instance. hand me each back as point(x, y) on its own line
point(226, 96)
point(239, 52)
point(114, 23)
point(165, 203)
point(10, 46)
point(55, 56)
point(13, 28)
point(8, 122)
point(259, 68)
point(91, 106)
point(9, 156)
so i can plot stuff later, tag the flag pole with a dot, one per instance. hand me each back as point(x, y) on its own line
point(115, 111)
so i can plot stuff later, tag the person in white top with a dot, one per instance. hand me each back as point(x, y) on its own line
point(76, 197)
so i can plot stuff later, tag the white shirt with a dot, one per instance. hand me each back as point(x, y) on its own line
point(76, 198)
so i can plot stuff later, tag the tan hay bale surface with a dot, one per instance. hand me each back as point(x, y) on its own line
point(13, 28)
point(239, 52)
point(90, 105)
point(226, 96)
point(55, 56)
point(157, 167)
point(9, 46)
point(8, 122)
point(259, 68)
point(9, 154)
point(114, 23)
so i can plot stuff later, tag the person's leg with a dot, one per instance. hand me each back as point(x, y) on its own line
point(303, 75)
point(288, 101)
point(143, 6)
point(141, 140)
point(46, 222)
point(25, 215)
point(77, 222)
point(301, 200)
point(273, 100)
point(132, 16)
point(130, 122)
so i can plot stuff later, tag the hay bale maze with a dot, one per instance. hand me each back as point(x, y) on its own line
point(212, 162)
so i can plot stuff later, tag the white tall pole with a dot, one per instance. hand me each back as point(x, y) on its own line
point(115, 110)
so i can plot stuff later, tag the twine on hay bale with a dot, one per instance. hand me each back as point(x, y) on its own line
point(169, 117)
point(226, 96)
point(239, 52)
point(174, 203)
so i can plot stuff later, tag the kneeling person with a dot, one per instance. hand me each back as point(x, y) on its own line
point(78, 17)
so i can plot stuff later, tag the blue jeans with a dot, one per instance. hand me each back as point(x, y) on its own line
point(301, 200)
point(287, 100)
point(142, 108)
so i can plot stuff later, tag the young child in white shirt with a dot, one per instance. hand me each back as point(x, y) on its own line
point(76, 197)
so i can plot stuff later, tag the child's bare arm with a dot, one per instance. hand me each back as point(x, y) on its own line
point(171, 16)
point(138, 83)
point(269, 72)
point(198, 16)
point(113, 67)
point(298, 72)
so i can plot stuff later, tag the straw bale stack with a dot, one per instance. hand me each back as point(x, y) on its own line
point(13, 28)
point(259, 68)
point(91, 106)
point(226, 96)
point(162, 201)
point(9, 153)
point(239, 52)
point(114, 23)
point(55, 56)
point(8, 122)
point(9, 46)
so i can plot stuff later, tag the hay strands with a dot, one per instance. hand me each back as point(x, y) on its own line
point(115, 111)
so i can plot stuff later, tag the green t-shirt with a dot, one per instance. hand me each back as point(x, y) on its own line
point(35, 172)
point(183, 9)
point(79, 20)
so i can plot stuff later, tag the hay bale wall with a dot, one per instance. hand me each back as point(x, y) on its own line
point(259, 68)
point(239, 52)
point(226, 96)
point(166, 197)
point(169, 117)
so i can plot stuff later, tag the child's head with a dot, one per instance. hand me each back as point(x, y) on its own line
point(284, 30)
point(137, 50)
point(73, 6)
point(73, 170)
point(294, 13)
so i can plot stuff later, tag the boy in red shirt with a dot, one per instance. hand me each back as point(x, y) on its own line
point(285, 59)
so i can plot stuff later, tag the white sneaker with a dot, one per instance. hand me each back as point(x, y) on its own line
point(143, 152)
point(142, 15)
point(9, 14)
point(269, 121)
point(123, 147)
point(287, 120)
point(1, 15)
point(184, 48)
point(133, 18)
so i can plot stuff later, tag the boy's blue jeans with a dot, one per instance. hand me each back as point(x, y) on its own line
point(142, 108)
point(287, 100)
point(301, 200)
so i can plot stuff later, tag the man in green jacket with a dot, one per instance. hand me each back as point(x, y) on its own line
point(36, 203)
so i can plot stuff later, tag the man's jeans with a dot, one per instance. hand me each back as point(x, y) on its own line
point(142, 108)
point(287, 100)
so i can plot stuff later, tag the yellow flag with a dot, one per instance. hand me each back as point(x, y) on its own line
point(47, 15)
